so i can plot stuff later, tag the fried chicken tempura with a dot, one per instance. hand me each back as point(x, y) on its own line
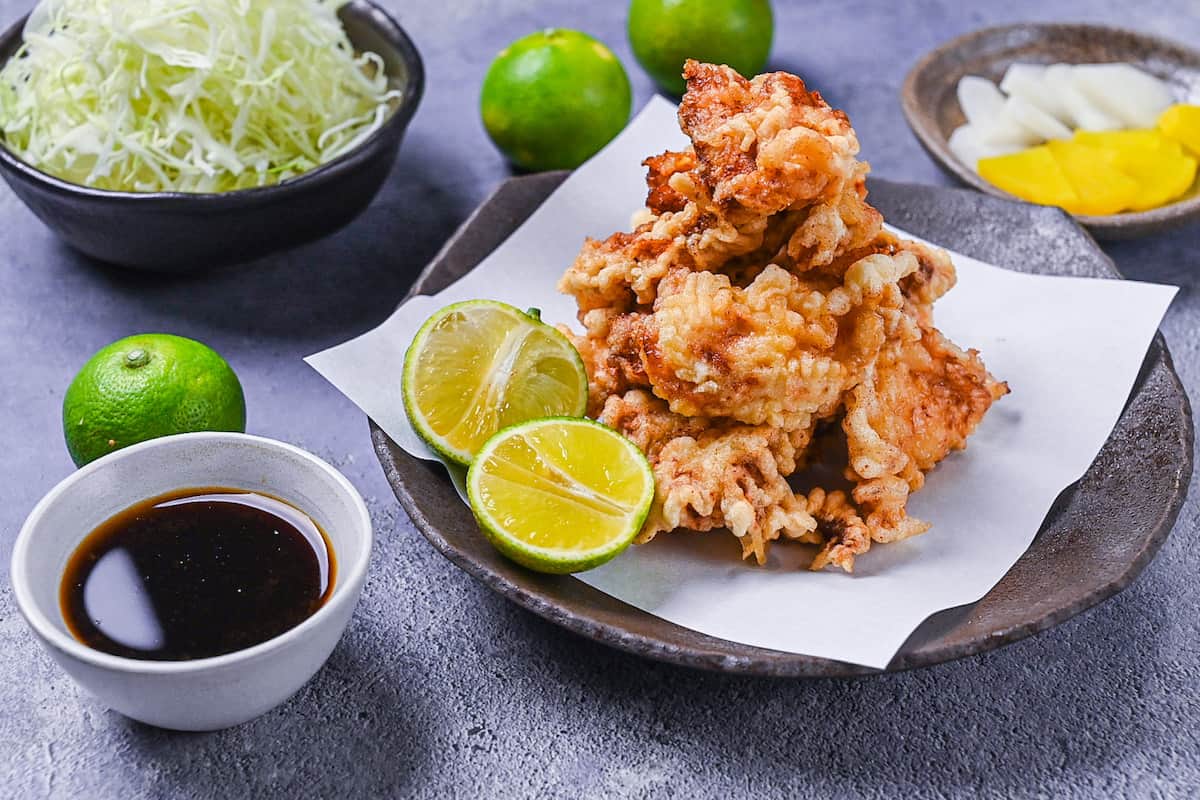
point(721, 475)
point(758, 297)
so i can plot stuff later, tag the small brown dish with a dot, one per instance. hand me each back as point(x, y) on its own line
point(930, 104)
point(178, 231)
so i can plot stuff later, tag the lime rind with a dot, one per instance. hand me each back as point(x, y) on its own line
point(569, 385)
point(559, 560)
point(552, 99)
point(145, 386)
point(663, 33)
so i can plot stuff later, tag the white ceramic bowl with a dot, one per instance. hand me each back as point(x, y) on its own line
point(208, 693)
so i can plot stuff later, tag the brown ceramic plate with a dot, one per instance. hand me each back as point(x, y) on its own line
point(1100, 534)
point(931, 105)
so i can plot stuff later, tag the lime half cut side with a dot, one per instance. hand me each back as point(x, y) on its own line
point(560, 495)
point(479, 366)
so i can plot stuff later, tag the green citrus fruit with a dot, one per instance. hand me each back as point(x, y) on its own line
point(146, 386)
point(479, 366)
point(560, 494)
point(665, 33)
point(552, 99)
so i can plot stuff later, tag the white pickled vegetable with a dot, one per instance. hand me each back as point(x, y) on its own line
point(983, 106)
point(1030, 116)
point(188, 95)
point(1124, 92)
point(1028, 82)
point(1085, 115)
point(968, 148)
point(979, 99)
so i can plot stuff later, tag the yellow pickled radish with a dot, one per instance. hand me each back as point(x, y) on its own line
point(1162, 175)
point(1182, 123)
point(1032, 175)
point(1138, 138)
point(1100, 187)
point(1107, 172)
point(1162, 168)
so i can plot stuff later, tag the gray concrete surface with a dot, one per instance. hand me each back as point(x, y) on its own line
point(441, 689)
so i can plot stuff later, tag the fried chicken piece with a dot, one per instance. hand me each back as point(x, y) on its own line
point(765, 144)
point(646, 421)
point(757, 298)
point(760, 147)
point(716, 475)
point(659, 170)
point(778, 352)
point(844, 532)
point(845, 224)
point(624, 270)
point(762, 354)
point(917, 403)
point(933, 277)
point(611, 349)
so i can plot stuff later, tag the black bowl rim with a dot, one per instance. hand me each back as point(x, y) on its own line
point(1176, 212)
point(414, 87)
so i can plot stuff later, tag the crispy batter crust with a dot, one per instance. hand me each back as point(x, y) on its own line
point(758, 297)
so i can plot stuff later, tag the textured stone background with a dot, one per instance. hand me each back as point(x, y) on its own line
point(440, 688)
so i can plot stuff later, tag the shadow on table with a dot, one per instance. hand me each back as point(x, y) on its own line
point(1169, 257)
point(333, 288)
point(350, 726)
point(1003, 722)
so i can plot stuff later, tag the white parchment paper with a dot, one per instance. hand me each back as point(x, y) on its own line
point(1070, 349)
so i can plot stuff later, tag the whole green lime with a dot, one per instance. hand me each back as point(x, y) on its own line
point(553, 98)
point(665, 33)
point(145, 386)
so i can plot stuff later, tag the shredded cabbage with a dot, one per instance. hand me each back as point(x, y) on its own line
point(188, 95)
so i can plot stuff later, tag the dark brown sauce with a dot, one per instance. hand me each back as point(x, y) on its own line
point(196, 573)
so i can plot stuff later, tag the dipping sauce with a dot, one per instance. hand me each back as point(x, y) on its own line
point(196, 573)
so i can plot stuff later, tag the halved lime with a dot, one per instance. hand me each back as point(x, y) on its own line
point(479, 366)
point(561, 494)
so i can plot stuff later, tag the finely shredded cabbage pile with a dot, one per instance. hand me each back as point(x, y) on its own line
point(188, 95)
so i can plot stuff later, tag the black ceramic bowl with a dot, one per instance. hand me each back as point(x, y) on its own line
point(176, 231)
